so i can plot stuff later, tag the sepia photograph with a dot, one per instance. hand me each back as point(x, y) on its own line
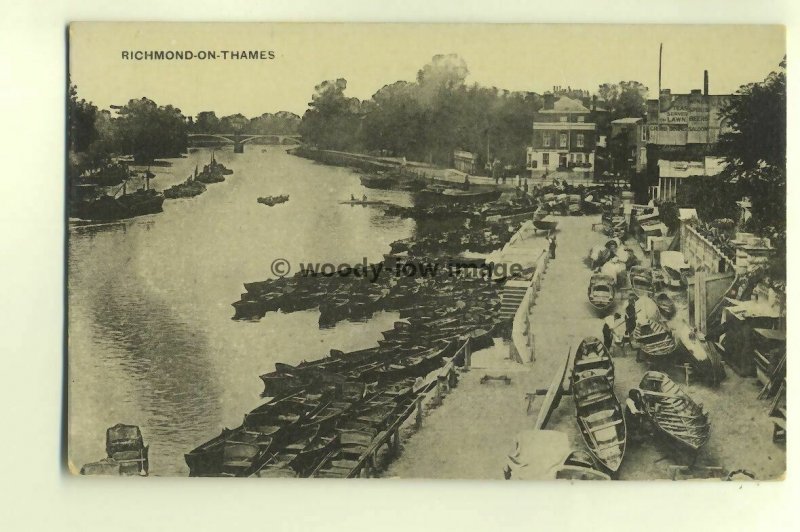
point(426, 251)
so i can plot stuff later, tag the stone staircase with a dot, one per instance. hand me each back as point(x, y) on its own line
point(511, 297)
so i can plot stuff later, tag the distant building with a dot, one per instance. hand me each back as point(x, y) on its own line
point(629, 140)
point(464, 161)
point(682, 130)
point(563, 137)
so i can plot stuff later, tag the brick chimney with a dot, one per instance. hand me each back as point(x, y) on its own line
point(705, 82)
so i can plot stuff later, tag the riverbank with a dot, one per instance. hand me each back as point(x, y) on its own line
point(472, 434)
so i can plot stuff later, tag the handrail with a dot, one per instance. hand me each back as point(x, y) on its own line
point(521, 327)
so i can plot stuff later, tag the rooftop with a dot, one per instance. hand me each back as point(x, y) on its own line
point(565, 104)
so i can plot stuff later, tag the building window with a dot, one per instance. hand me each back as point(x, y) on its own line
point(644, 134)
point(579, 157)
point(545, 159)
point(546, 140)
point(581, 118)
point(579, 140)
point(563, 118)
point(562, 141)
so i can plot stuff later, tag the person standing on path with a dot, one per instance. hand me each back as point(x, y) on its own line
point(630, 322)
point(551, 239)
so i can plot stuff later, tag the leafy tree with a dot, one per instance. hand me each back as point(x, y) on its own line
point(280, 123)
point(81, 116)
point(332, 120)
point(207, 122)
point(237, 123)
point(624, 99)
point(148, 131)
point(755, 153)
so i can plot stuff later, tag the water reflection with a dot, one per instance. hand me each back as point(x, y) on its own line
point(151, 340)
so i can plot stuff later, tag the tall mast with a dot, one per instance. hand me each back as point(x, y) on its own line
point(658, 119)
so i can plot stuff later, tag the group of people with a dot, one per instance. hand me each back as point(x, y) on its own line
point(611, 323)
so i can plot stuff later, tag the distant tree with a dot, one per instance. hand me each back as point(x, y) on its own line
point(280, 123)
point(755, 153)
point(332, 120)
point(206, 122)
point(81, 116)
point(237, 123)
point(394, 121)
point(624, 99)
point(148, 131)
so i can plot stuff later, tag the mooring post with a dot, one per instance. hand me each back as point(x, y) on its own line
point(467, 355)
point(443, 383)
point(418, 420)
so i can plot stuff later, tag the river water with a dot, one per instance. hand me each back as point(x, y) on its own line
point(151, 339)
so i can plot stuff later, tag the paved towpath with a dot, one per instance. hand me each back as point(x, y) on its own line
point(470, 435)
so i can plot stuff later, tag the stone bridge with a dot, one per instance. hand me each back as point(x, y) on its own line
point(240, 139)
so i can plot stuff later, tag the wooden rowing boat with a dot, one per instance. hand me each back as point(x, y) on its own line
point(665, 305)
point(600, 419)
point(601, 292)
point(592, 358)
point(654, 339)
point(672, 412)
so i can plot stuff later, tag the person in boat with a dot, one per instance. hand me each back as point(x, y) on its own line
point(466, 181)
point(525, 186)
point(364, 198)
point(551, 239)
point(352, 197)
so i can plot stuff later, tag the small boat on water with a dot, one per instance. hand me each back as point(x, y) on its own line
point(655, 339)
point(672, 412)
point(665, 305)
point(363, 202)
point(127, 453)
point(601, 293)
point(600, 419)
point(271, 201)
point(437, 196)
point(592, 358)
point(378, 181)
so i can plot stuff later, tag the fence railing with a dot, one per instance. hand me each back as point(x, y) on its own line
point(523, 344)
point(430, 392)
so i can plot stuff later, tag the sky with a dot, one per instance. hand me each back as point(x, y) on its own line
point(369, 56)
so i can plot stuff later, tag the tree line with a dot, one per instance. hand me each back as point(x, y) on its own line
point(438, 113)
point(147, 131)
